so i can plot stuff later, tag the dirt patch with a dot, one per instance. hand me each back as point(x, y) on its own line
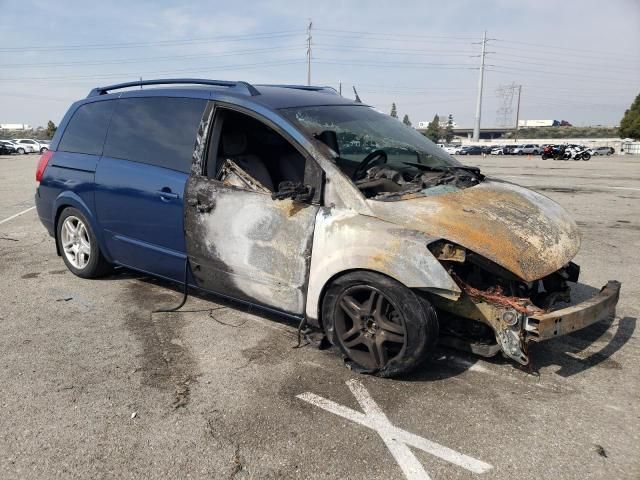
point(166, 362)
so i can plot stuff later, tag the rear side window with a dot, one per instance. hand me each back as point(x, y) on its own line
point(87, 128)
point(159, 131)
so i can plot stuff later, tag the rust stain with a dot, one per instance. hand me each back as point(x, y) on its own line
point(526, 233)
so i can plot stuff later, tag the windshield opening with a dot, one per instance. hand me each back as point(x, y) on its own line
point(386, 159)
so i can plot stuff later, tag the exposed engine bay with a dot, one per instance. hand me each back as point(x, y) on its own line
point(498, 299)
point(386, 182)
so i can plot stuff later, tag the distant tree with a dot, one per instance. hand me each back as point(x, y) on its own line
point(406, 120)
point(448, 131)
point(394, 111)
point(433, 129)
point(630, 123)
point(51, 129)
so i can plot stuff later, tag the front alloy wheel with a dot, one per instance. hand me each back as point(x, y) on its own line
point(369, 326)
point(379, 325)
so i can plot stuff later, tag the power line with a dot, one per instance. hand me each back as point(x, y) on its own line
point(138, 73)
point(557, 47)
point(119, 61)
point(108, 46)
point(406, 35)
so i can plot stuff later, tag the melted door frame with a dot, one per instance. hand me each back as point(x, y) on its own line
point(241, 243)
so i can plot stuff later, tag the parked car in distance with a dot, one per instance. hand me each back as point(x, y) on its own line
point(602, 151)
point(23, 148)
point(471, 150)
point(257, 193)
point(36, 145)
point(528, 149)
point(451, 149)
point(7, 148)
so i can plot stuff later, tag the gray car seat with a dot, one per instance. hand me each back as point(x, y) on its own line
point(234, 146)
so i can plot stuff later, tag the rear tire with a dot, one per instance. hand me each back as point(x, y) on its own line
point(79, 245)
point(380, 326)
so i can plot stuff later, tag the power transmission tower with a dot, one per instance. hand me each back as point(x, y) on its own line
point(503, 115)
point(476, 127)
point(309, 52)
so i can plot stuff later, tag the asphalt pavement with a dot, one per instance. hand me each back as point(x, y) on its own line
point(95, 386)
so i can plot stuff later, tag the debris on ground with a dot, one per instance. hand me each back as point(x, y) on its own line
point(601, 451)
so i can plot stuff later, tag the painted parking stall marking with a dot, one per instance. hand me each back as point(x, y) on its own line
point(396, 439)
point(16, 215)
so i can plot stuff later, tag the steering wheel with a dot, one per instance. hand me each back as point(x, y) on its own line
point(365, 163)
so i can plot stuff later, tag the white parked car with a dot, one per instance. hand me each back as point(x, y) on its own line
point(31, 145)
point(529, 149)
point(452, 149)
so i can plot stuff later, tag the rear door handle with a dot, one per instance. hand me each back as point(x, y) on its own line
point(167, 194)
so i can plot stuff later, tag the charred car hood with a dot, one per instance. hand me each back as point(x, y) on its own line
point(520, 230)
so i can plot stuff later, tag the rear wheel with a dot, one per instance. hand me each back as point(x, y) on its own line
point(79, 246)
point(381, 326)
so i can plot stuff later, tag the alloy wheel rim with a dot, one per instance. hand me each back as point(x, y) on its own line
point(75, 242)
point(369, 326)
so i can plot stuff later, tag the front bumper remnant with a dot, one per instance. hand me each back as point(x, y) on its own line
point(544, 326)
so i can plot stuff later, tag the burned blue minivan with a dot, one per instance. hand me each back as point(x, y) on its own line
point(302, 202)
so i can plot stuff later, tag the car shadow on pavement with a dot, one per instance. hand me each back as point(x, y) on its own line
point(217, 302)
point(447, 362)
point(573, 353)
point(568, 352)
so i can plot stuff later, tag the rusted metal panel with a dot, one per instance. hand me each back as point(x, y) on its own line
point(567, 320)
point(525, 232)
point(344, 240)
point(248, 245)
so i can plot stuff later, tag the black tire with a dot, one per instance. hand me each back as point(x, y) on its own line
point(43, 149)
point(586, 156)
point(21, 151)
point(96, 266)
point(402, 311)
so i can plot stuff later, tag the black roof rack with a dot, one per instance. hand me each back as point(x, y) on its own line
point(246, 87)
point(310, 88)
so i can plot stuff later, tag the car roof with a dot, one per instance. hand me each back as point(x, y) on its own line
point(270, 96)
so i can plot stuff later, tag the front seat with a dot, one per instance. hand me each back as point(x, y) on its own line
point(234, 147)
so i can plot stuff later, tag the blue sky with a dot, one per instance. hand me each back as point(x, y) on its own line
point(577, 60)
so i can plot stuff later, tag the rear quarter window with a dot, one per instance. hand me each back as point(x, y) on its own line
point(159, 131)
point(87, 128)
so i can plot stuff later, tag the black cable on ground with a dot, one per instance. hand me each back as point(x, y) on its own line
point(185, 287)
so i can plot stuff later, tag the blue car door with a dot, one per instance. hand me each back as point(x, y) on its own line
point(140, 181)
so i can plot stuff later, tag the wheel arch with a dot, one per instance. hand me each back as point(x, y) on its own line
point(71, 199)
point(372, 245)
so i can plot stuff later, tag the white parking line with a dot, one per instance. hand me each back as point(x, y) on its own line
point(16, 215)
point(397, 440)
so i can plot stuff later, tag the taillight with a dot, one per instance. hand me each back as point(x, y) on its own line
point(42, 164)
